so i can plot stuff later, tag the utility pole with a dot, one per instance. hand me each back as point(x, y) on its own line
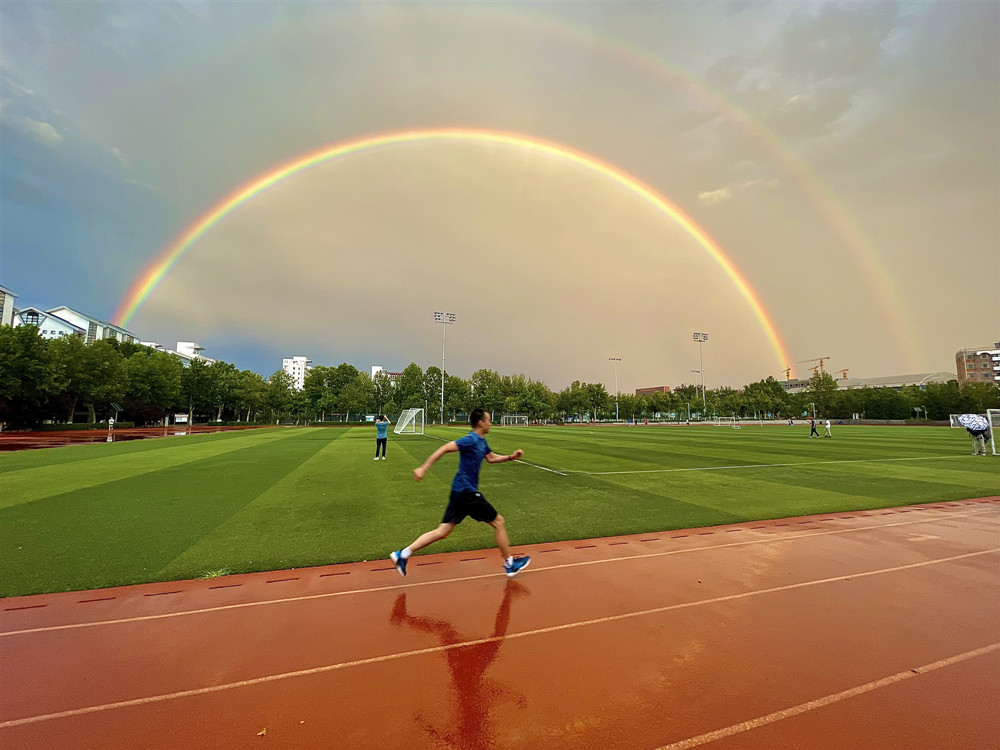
point(701, 338)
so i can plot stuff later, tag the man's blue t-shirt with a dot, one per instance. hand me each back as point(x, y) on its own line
point(381, 429)
point(472, 449)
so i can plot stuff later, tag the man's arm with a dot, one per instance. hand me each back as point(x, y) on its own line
point(418, 473)
point(493, 458)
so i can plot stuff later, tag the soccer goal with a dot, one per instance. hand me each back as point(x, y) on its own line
point(727, 422)
point(514, 419)
point(993, 415)
point(953, 418)
point(410, 422)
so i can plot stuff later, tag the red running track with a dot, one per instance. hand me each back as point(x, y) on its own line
point(877, 629)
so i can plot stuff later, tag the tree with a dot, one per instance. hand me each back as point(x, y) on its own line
point(251, 390)
point(381, 390)
point(154, 384)
point(26, 375)
point(222, 386)
point(70, 372)
point(432, 393)
point(409, 392)
point(597, 398)
point(359, 395)
point(196, 383)
point(821, 388)
point(279, 394)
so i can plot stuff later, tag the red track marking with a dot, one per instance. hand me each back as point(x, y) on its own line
point(766, 607)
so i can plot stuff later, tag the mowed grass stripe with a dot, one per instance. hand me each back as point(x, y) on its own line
point(29, 459)
point(125, 531)
point(302, 517)
point(104, 464)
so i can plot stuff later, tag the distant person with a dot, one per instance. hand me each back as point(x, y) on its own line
point(978, 441)
point(791, 422)
point(381, 435)
point(812, 428)
point(466, 499)
point(827, 426)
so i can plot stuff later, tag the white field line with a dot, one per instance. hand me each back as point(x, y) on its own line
point(534, 571)
point(760, 721)
point(571, 472)
point(494, 639)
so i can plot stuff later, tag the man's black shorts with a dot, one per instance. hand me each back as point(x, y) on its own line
point(468, 503)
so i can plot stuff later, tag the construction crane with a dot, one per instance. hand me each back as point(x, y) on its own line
point(843, 373)
point(815, 359)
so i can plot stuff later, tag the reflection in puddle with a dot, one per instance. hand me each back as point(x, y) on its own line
point(475, 695)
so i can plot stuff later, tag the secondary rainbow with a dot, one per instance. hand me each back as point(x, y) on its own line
point(161, 266)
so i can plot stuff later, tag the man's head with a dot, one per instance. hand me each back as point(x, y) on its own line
point(480, 420)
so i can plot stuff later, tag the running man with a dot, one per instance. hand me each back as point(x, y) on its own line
point(381, 435)
point(466, 499)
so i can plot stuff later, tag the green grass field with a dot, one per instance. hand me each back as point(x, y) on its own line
point(122, 513)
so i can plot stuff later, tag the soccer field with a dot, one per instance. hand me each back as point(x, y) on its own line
point(111, 514)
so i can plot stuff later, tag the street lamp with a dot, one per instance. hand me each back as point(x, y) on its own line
point(616, 360)
point(445, 319)
point(701, 338)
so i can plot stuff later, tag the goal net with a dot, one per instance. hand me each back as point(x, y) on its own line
point(410, 422)
point(954, 420)
point(727, 422)
point(993, 415)
point(514, 419)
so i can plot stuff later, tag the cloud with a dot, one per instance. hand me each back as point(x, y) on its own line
point(711, 197)
point(44, 132)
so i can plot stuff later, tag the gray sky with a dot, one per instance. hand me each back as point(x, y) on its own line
point(844, 156)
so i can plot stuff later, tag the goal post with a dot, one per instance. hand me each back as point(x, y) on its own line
point(953, 418)
point(993, 416)
point(514, 419)
point(410, 422)
point(727, 422)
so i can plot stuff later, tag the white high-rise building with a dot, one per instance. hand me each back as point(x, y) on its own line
point(297, 367)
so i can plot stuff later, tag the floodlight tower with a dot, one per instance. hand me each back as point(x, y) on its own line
point(616, 360)
point(701, 338)
point(445, 319)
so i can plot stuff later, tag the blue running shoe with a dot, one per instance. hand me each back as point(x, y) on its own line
point(518, 564)
point(400, 562)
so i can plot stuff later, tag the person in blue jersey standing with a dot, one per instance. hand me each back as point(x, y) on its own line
point(381, 435)
point(466, 500)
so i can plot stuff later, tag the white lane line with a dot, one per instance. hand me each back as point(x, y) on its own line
point(763, 466)
point(534, 571)
point(437, 649)
point(760, 721)
point(543, 468)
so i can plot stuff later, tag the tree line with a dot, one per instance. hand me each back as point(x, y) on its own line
point(67, 380)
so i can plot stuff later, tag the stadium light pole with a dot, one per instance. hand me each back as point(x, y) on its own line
point(445, 319)
point(616, 360)
point(701, 338)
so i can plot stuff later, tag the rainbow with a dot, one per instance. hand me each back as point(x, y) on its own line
point(161, 266)
point(845, 228)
